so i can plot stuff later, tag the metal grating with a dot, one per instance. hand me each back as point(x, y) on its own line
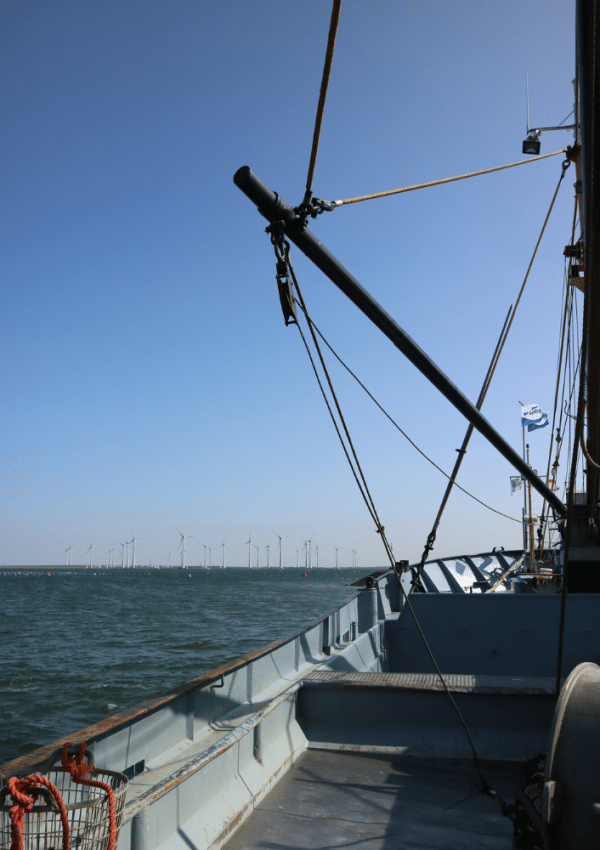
point(457, 683)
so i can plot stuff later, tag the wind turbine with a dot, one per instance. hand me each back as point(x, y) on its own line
point(68, 554)
point(257, 557)
point(184, 537)
point(280, 538)
point(205, 548)
point(308, 557)
point(111, 552)
point(91, 549)
point(122, 545)
point(249, 543)
point(337, 549)
point(267, 547)
point(223, 546)
point(127, 558)
point(133, 541)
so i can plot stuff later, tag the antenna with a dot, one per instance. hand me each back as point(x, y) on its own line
point(531, 145)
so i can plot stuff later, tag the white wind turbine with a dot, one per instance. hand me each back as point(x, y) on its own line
point(68, 558)
point(133, 541)
point(308, 553)
point(249, 543)
point(337, 549)
point(257, 556)
point(223, 547)
point(280, 538)
point(184, 537)
point(91, 549)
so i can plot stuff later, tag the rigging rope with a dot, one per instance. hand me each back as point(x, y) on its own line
point(364, 489)
point(335, 16)
point(503, 337)
point(446, 180)
point(282, 250)
point(569, 294)
point(395, 424)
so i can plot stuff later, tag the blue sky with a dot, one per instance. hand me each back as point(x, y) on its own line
point(149, 382)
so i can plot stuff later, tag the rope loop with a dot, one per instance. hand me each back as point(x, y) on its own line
point(23, 793)
point(78, 769)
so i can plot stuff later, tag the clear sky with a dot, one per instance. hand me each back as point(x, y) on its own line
point(148, 381)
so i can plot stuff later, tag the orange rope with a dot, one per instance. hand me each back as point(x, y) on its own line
point(78, 768)
point(19, 790)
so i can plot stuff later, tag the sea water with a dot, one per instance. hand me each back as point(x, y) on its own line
point(79, 646)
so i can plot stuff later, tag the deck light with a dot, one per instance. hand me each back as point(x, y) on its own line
point(531, 145)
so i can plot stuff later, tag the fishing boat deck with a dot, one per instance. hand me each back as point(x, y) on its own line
point(373, 802)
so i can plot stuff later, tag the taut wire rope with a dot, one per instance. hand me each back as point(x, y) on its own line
point(569, 293)
point(395, 424)
point(490, 375)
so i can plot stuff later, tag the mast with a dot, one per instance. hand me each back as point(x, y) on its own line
point(588, 33)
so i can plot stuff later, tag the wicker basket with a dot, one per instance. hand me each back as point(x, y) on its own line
point(88, 812)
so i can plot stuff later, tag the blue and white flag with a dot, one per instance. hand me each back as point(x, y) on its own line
point(533, 417)
point(515, 483)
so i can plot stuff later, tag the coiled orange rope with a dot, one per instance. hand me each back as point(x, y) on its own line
point(23, 794)
point(20, 791)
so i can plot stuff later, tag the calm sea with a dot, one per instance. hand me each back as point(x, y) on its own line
point(78, 647)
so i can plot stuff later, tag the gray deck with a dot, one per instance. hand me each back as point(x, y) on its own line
point(335, 799)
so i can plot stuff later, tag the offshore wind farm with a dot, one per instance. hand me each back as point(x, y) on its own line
point(274, 554)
